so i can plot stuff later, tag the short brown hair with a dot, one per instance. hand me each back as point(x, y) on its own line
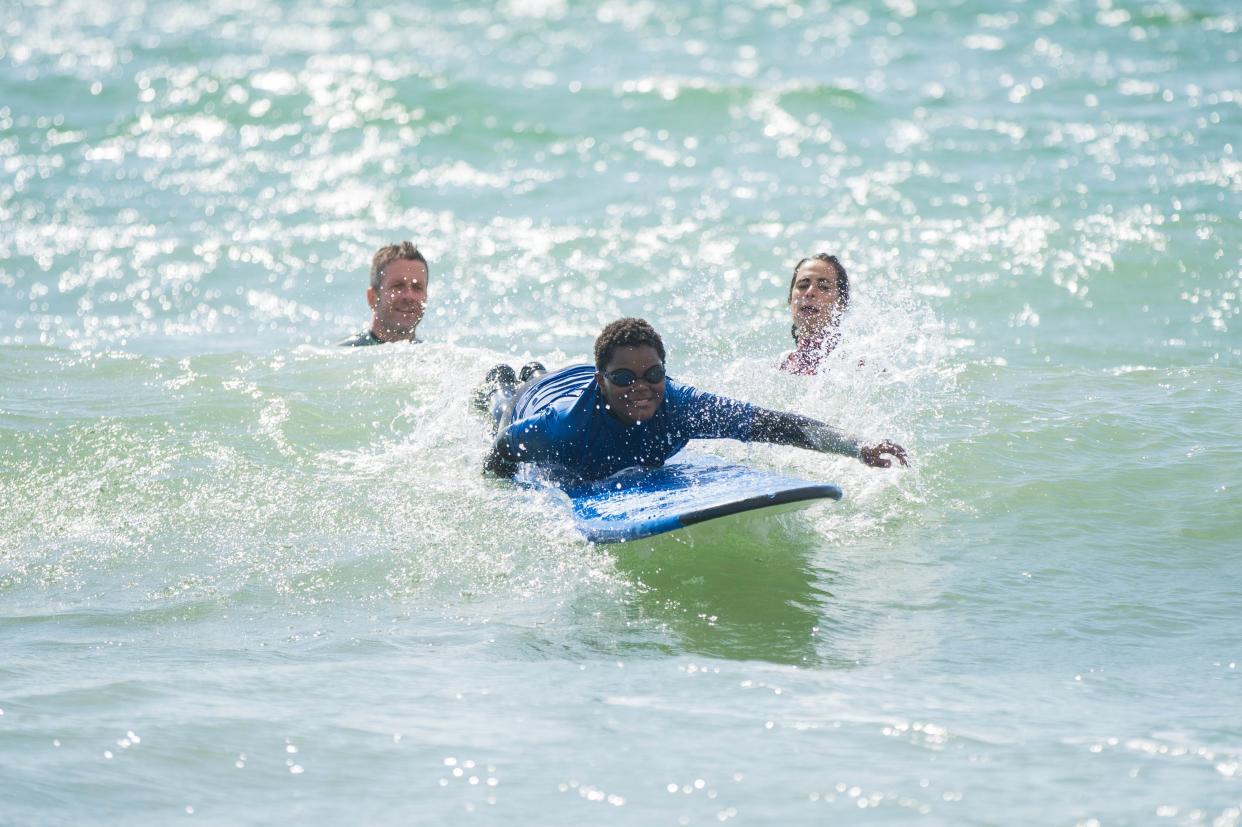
point(627, 332)
point(391, 252)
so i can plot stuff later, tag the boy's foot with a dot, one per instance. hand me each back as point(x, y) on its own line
point(531, 370)
point(498, 378)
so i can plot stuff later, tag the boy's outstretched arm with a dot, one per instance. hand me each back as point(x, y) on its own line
point(783, 428)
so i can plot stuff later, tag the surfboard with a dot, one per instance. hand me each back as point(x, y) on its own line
point(644, 502)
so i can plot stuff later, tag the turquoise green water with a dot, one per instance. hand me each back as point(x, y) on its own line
point(248, 578)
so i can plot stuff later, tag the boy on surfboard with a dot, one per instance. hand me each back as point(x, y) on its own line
point(591, 421)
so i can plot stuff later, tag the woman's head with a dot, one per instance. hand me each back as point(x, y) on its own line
point(819, 292)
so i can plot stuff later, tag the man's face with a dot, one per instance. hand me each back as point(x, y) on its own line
point(638, 401)
point(399, 303)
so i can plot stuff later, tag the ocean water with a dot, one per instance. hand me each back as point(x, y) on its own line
point(250, 578)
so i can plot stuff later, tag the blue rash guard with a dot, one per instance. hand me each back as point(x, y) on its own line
point(561, 420)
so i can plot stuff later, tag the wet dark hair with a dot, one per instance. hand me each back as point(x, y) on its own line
point(626, 333)
point(843, 283)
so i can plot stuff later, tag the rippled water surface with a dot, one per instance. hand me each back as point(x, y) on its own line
point(250, 578)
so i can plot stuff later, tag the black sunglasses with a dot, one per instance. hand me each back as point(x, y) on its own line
point(625, 377)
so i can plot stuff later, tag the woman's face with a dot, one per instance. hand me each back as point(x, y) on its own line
point(814, 301)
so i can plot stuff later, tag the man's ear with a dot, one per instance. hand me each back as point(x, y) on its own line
point(372, 297)
point(599, 378)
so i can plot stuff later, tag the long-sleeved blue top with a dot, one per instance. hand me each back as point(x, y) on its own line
point(562, 421)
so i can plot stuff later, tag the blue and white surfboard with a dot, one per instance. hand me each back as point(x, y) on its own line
point(691, 489)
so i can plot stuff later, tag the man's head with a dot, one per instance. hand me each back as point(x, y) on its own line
point(629, 368)
point(398, 291)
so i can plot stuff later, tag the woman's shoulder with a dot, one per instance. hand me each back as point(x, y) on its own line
point(800, 362)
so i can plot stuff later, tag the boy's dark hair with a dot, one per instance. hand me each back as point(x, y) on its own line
point(843, 282)
point(625, 333)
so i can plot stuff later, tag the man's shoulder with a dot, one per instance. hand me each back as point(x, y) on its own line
point(367, 338)
point(362, 339)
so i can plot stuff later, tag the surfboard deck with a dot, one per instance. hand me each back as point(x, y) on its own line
point(644, 502)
